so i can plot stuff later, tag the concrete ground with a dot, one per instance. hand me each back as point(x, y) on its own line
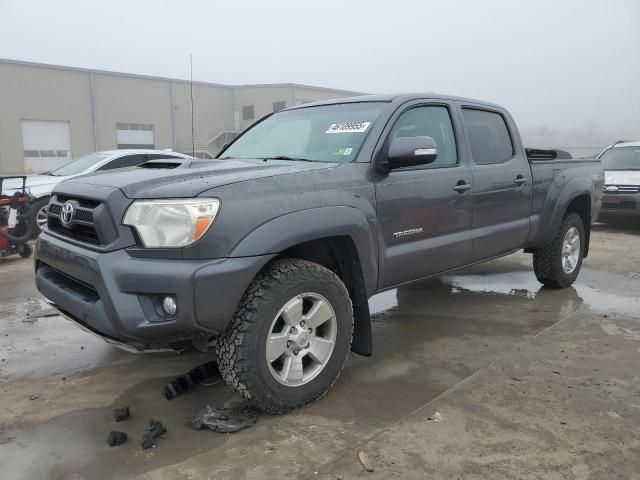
point(480, 374)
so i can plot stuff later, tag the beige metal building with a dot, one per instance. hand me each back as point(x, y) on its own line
point(50, 114)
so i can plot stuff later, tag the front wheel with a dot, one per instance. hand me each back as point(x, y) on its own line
point(558, 264)
point(289, 338)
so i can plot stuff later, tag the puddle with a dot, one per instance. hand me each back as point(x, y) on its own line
point(513, 283)
point(524, 284)
point(610, 328)
point(383, 301)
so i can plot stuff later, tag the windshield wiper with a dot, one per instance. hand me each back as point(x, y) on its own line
point(278, 157)
point(284, 157)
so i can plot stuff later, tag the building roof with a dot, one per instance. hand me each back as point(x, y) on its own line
point(170, 79)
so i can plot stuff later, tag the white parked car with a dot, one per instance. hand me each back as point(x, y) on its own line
point(40, 186)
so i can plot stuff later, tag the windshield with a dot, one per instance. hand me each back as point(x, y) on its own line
point(328, 133)
point(621, 158)
point(79, 165)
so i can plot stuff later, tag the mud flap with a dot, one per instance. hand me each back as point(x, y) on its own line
point(362, 342)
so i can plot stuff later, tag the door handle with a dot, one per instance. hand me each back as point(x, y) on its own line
point(462, 186)
point(520, 180)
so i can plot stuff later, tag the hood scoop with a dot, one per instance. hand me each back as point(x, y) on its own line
point(162, 164)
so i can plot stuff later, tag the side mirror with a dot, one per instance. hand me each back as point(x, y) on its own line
point(410, 152)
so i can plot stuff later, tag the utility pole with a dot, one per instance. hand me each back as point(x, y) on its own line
point(193, 141)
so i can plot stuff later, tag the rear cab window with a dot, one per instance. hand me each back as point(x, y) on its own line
point(488, 136)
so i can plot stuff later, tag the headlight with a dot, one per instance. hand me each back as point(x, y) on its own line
point(171, 223)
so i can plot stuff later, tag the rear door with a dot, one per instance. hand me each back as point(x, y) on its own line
point(502, 182)
point(423, 212)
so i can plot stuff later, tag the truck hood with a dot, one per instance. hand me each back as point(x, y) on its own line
point(192, 178)
point(622, 177)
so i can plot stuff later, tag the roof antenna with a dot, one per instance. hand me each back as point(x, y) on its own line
point(193, 142)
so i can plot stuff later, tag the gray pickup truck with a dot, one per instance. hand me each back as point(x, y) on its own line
point(271, 252)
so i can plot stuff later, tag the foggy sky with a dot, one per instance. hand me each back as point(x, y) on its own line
point(561, 64)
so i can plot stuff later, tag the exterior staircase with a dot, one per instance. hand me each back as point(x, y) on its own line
point(210, 141)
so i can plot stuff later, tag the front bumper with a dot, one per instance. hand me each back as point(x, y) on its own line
point(118, 296)
point(620, 204)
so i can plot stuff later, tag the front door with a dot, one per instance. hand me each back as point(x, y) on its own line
point(425, 212)
point(502, 184)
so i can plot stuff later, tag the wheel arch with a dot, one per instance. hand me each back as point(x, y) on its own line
point(581, 204)
point(338, 238)
point(576, 197)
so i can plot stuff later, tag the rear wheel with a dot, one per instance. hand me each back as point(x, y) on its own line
point(558, 264)
point(289, 337)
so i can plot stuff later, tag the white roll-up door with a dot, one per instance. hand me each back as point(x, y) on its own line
point(47, 145)
point(134, 135)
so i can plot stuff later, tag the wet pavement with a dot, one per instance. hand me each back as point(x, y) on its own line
point(528, 382)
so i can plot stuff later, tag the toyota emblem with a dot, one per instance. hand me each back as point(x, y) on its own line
point(66, 214)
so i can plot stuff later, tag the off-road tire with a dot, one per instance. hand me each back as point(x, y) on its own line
point(547, 261)
point(241, 348)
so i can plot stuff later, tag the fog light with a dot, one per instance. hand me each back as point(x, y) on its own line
point(169, 305)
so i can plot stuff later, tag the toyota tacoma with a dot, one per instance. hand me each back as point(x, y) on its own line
point(271, 252)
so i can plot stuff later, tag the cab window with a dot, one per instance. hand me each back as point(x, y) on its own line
point(429, 121)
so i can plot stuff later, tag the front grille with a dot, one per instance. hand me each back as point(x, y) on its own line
point(622, 205)
point(81, 202)
point(83, 216)
point(623, 189)
point(82, 233)
point(82, 226)
point(78, 215)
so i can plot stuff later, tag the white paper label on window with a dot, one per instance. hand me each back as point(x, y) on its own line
point(348, 127)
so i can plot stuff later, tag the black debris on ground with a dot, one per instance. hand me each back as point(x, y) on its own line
point(208, 372)
point(121, 414)
point(116, 438)
point(155, 430)
point(224, 420)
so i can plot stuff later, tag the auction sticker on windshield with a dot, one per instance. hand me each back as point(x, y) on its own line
point(348, 127)
point(345, 151)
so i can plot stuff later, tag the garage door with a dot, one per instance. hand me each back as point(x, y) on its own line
point(134, 135)
point(47, 145)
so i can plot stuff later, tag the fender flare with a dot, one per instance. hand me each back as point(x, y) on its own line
point(570, 191)
point(281, 233)
point(315, 224)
